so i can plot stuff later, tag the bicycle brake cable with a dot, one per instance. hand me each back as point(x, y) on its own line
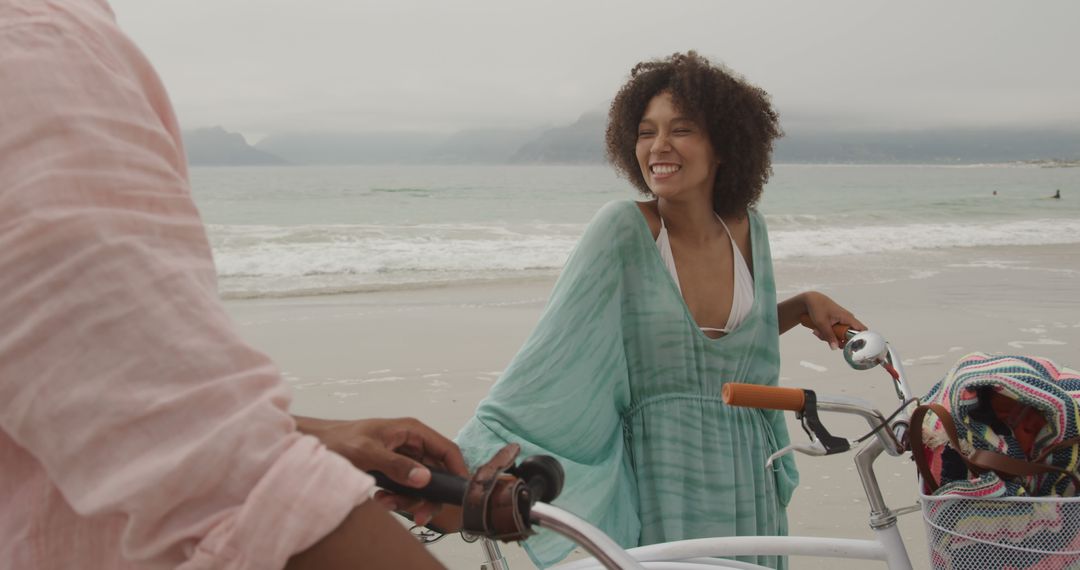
point(886, 422)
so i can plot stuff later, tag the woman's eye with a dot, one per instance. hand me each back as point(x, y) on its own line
point(682, 131)
point(645, 134)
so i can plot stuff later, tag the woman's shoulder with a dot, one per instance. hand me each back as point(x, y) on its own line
point(620, 214)
point(651, 213)
point(618, 208)
point(615, 224)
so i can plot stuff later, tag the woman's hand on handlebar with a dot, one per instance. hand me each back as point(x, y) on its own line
point(400, 448)
point(821, 316)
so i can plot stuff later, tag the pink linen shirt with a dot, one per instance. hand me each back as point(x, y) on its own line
point(137, 429)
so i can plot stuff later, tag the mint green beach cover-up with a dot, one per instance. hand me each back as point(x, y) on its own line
point(619, 384)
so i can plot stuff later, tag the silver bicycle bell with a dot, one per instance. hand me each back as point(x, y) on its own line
point(866, 350)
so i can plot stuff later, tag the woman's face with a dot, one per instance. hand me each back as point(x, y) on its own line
point(673, 151)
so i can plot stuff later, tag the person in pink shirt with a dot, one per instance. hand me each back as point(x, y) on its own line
point(137, 429)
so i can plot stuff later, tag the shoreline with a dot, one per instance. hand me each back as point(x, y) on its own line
point(1034, 163)
point(544, 275)
point(824, 268)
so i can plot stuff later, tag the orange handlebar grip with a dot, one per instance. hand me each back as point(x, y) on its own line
point(838, 329)
point(766, 397)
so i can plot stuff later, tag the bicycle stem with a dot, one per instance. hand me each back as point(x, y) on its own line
point(880, 514)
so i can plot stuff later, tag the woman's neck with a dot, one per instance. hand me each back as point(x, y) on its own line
point(691, 220)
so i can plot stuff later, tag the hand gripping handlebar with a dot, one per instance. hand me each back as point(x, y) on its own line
point(842, 332)
point(496, 501)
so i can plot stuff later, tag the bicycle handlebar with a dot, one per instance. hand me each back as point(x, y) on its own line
point(443, 488)
point(499, 502)
point(766, 397)
point(841, 331)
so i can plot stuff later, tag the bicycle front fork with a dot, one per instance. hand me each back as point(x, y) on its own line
point(493, 558)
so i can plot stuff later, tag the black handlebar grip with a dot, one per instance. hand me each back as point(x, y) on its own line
point(544, 476)
point(443, 487)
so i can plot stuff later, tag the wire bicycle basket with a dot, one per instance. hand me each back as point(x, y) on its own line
point(977, 533)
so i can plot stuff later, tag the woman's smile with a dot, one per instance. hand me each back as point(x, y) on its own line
point(663, 170)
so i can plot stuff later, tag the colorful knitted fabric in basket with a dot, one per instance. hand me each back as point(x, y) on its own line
point(1033, 386)
point(973, 519)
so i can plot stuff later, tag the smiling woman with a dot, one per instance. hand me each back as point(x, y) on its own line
point(710, 103)
point(662, 303)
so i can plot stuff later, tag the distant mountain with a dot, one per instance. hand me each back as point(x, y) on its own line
point(217, 147)
point(581, 142)
point(476, 146)
point(351, 148)
point(940, 146)
point(484, 146)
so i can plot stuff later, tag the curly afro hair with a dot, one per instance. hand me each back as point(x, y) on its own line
point(738, 117)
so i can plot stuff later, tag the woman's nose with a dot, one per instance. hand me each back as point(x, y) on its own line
point(661, 143)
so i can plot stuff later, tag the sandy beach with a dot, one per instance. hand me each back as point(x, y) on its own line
point(433, 353)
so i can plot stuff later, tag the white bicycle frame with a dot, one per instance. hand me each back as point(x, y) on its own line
point(887, 545)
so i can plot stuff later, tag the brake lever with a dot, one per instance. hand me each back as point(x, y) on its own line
point(813, 427)
point(814, 448)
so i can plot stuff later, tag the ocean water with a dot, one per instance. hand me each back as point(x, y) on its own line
point(315, 230)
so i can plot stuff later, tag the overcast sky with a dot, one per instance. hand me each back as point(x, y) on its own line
point(269, 66)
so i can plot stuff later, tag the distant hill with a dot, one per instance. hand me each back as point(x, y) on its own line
point(351, 148)
point(484, 146)
point(217, 147)
point(940, 146)
point(475, 146)
point(581, 142)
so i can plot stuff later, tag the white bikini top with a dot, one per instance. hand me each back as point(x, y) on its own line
point(742, 298)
